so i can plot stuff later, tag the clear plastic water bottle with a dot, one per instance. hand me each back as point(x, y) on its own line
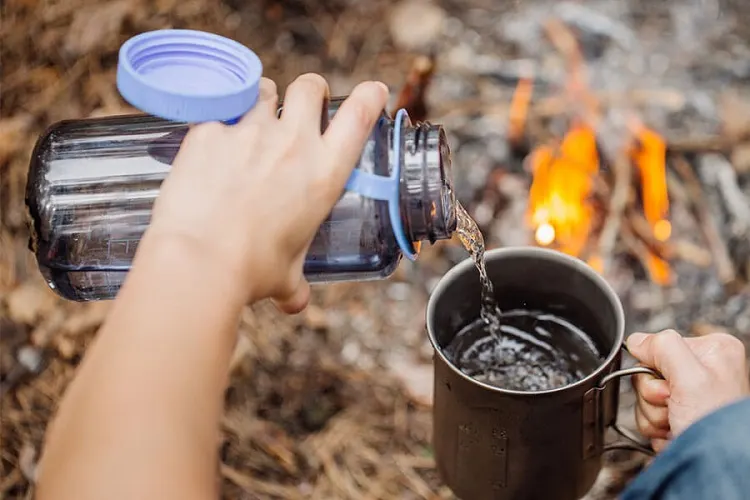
point(92, 184)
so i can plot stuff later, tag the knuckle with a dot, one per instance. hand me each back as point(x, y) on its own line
point(665, 339)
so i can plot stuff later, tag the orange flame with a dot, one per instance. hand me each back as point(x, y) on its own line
point(559, 205)
point(649, 155)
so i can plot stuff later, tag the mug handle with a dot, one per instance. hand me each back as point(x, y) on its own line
point(632, 441)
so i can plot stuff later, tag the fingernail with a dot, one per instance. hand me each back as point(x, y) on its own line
point(636, 339)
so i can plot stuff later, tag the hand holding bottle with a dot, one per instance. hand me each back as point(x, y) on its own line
point(247, 199)
point(701, 375)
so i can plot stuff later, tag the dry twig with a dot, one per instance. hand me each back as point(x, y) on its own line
point(415, 483)
point(254, 485)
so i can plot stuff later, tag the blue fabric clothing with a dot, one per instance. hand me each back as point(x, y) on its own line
point(709, 460)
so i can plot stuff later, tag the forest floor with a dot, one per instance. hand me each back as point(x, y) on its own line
point(336, 402)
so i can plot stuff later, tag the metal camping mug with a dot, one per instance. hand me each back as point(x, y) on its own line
point(496, 444)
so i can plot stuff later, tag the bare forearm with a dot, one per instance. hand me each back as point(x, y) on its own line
point(148, 397)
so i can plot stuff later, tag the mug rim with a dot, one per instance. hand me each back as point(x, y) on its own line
point(543, 253)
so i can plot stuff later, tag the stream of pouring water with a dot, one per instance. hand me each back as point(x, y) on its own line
point(473, 241)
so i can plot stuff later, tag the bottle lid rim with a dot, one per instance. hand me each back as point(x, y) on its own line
point(188, 75)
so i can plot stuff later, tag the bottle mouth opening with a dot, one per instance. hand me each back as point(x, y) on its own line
point(448, 195)
point(427, 184)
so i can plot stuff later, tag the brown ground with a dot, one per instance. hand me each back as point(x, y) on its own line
point(307, 414)
point(330, 403)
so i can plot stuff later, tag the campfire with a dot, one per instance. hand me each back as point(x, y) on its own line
point(579, 194)
point(595, 194)
point(562, 211)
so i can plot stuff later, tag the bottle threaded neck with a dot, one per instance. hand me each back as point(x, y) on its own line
point(427, 198)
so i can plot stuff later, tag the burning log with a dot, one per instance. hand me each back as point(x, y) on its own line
point(641, 229)
point(649, 155)
point(667, 251)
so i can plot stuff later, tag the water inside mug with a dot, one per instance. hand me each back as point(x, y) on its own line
point(538, 343)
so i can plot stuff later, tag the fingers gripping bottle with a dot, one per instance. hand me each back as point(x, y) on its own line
point(92, 183)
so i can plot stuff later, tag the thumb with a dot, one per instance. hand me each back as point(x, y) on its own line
point(667, 352)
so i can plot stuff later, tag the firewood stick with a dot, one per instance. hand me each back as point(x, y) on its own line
point(721, 175)
point(412, 94)
point(642, 230)
point(707, 144)
point(723, 262)
point(676, 188)
point(617, 204)
point(676, 249)
point(635, 247)
point(667, 250)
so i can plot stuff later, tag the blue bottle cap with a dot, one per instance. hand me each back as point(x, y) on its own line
point(188, 76)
